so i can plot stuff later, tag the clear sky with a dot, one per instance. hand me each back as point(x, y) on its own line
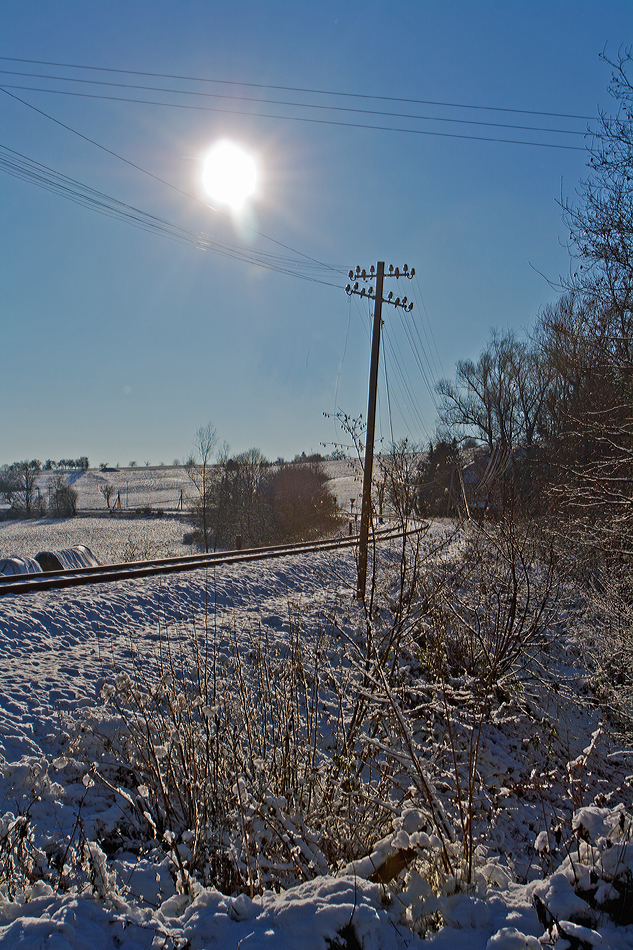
point(118, 343)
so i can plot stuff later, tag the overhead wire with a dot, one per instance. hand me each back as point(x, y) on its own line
point(308, 267)
point(409, 388)
point(288, 118)
point(406, 415)
point(421, 352)
point(404, 382)
point(276, 102)
point(399, 386)
point(384, 364)
point(320, 92)
point(427, 328)
point(21, 166)
point(421, 362)
point(340, 368)
point(405, 320)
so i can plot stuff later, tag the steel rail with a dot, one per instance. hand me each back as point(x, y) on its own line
point(108, 573)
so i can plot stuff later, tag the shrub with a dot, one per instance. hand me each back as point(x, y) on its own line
point(62, 501)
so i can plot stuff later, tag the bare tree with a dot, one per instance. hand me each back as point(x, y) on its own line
point(199, 468)
point(301, 507)
point(601, 223)
point(588, 337)
point(500, 398)
point(242, 506)
point(399, 474)
point(62, 498)
point(107, 491)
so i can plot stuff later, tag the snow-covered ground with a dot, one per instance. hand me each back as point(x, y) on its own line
point(55, 650)
point(548, 751)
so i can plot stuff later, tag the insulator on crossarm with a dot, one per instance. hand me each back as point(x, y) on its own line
point(362, 293)
point(371, 269)
point(351, 275)
point(357, 270)
point(397, 301)
point(364, 274)
point(390, 297)
point(404, 301)
point(391, 268)
point(405, 269)
point(397, 273)
point(371, 291)
point(412, 274)
point(356, 286)
point(348, 289)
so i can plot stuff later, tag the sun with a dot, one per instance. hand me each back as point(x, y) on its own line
point(229, 174)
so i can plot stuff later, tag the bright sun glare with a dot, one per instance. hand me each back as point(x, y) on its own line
point(229, 174)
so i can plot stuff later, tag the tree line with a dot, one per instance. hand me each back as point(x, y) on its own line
point(19, 488)
point(555, 410)
point(81, 463)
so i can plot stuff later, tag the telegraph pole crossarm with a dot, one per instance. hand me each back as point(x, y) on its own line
point(357, 276)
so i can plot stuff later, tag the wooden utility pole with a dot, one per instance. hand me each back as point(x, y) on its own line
point(365, 514)
point(379, 274)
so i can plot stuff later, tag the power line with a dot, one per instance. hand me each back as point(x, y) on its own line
point(316, 92)
point(294, 118)
point(420, 350)
point(384, 366)
point(404, 381)
point(26, 169)
point(276, 102)
point(395, 398)
point(432, 347)
point(338, 375)
point(164, 182)
point(417, 356)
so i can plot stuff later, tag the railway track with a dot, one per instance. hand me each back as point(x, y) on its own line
point(107, 573)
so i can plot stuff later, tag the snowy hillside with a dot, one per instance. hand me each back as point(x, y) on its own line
point(161, 487)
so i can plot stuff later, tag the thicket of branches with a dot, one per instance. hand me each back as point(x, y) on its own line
point(18, 486)
point(553, 414)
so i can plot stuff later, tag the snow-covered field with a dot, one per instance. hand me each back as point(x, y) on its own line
point(55, 650)
point(111, 540)
point(131, 534)
point(548, 751)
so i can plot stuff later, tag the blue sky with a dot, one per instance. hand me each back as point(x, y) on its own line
point(118, 344)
